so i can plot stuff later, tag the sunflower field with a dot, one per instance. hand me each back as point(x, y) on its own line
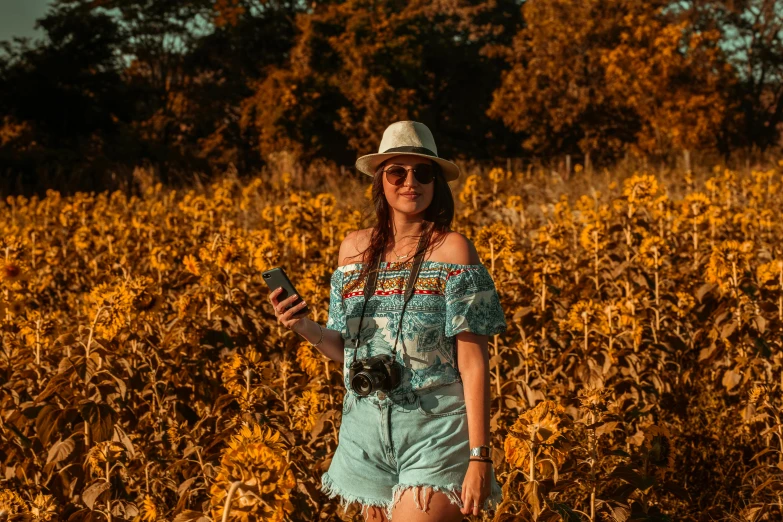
point(144, 376)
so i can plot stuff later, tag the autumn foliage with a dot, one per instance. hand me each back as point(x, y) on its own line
point(192, 89)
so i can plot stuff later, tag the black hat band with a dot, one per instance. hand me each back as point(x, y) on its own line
point(417, 150)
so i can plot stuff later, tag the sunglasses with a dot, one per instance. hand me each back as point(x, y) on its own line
point(397, 174)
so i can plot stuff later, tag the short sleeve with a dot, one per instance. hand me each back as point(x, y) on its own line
point(336, 319)
point(472, 303)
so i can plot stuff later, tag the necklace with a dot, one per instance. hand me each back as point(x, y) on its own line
point(399, 256)
point(406, 255)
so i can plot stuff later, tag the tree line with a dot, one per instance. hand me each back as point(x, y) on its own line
point(200, 86)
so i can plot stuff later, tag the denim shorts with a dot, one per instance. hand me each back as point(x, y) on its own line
point(386, 445)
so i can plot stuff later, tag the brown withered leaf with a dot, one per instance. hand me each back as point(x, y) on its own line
point(122, 437)
point(731, 379)
point(46, 422)
point(101, 418)
point(124, 509)
point(91, 494)
point(606, 427)
point(191, 516)
point(185, 486)
point(61, 450)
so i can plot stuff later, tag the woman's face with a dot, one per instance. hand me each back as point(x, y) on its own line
point(395, 194)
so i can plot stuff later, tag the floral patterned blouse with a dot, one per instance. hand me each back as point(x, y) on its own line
point(448, 299)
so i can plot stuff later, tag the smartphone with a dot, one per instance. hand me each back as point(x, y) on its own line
point(277, 278)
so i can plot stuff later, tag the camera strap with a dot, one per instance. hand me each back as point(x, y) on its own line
point(369, 288)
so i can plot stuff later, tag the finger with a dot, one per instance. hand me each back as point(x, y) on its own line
point(291, 311)
point(283, 305)
point(298, 308)
point(468, 505)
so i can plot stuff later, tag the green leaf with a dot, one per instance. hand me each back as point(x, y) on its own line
point(216, 339)
point(630, 475)
point(568, 514)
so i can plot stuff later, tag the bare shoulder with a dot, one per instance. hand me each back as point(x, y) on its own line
point(352, 247)
point(455, 248)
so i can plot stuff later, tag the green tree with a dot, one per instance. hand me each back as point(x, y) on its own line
point(69, 95)
point(753, 41)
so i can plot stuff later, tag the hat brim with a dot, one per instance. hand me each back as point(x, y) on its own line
point(368, 164)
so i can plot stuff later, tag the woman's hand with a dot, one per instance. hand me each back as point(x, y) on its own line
point(476, 487)
point(286, 317)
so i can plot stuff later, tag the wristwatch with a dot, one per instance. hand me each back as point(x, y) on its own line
point(480, 451)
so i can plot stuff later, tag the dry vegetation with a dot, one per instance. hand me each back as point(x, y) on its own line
point(144, 377)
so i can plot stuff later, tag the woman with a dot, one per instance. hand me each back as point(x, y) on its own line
point(414, 441)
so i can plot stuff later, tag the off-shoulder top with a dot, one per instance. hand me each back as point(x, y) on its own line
point(448, 299)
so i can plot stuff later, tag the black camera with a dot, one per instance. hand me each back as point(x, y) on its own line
point(378, 373)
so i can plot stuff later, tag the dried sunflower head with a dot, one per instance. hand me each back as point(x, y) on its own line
point(13, 508)
point(255, 464)
point(640, 189)
point(727, 258)
point(594, 236)
point(102, 453)
point(695, 207)
point(540, 424)
point(770, 274)
point(652, 251)
point(306, 410)
point(309, 360)
point(593, 398)
point(757, 393)
point(43, 508)
point(538, 434)
point(685, 303)
point(245, 376)
point(657, 443)
point(581, 316)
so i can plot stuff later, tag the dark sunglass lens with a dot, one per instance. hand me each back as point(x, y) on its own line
point(396, 175)
point(425, 173)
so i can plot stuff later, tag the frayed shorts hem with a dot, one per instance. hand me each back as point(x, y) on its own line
point(332, 491)
point(420, 497)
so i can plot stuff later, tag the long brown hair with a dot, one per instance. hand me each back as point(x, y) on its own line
point(440, 212)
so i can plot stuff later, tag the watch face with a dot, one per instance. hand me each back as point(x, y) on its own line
point(481, 451)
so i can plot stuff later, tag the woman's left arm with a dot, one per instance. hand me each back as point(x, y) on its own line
point(473, 365)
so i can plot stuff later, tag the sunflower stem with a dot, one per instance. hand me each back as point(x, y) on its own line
point(227, 505)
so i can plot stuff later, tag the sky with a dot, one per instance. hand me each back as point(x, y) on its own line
point(17, 17)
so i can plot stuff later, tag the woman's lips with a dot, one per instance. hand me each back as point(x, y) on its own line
point(410, 196)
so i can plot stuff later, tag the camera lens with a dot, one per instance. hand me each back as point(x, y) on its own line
point(364, 383)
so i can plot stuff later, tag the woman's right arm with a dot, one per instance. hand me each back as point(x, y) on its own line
point(333, 344)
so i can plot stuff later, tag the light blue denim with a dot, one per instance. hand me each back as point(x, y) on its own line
point(388, 444)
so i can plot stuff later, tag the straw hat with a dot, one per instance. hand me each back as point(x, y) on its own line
point(406, 137)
